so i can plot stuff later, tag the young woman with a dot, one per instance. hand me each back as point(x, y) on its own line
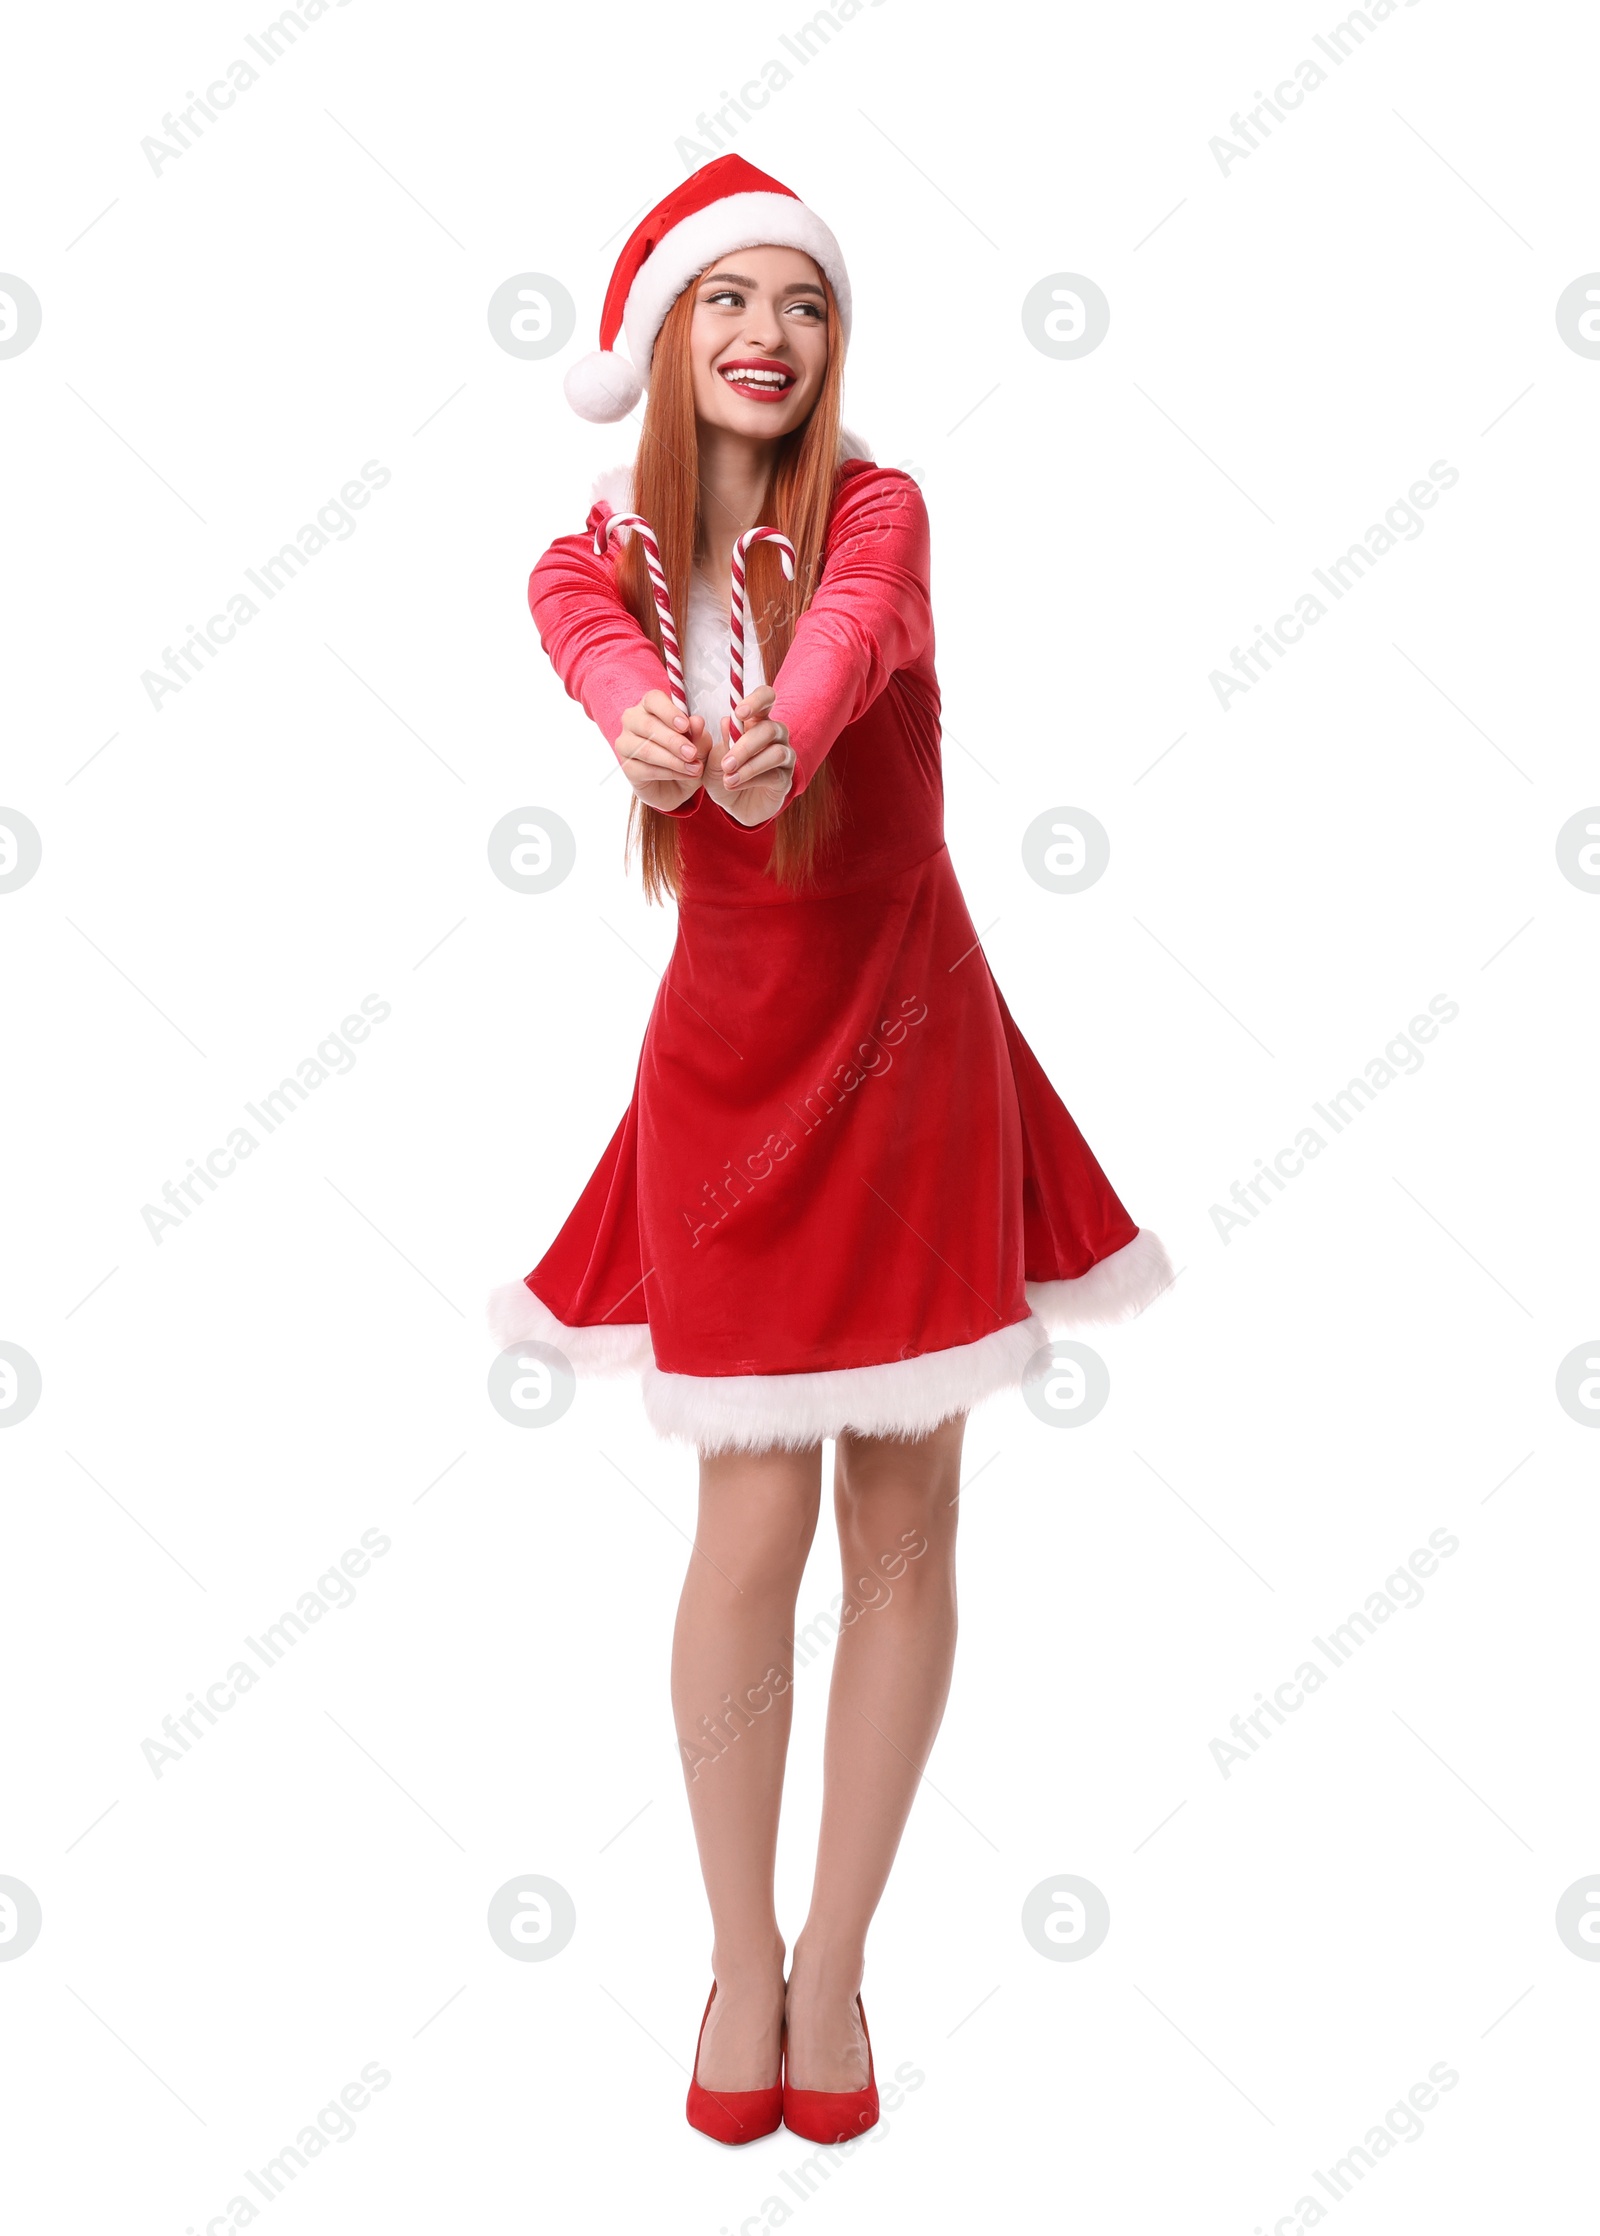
point(845, 1201)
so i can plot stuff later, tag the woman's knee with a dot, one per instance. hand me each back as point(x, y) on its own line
point(896, 1496)
point(758, 1514)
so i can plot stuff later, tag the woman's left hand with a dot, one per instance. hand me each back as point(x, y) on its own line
point(757, 770)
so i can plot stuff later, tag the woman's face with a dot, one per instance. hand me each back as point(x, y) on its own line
point(758, 341)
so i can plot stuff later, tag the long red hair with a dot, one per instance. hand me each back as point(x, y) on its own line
point(666, 490)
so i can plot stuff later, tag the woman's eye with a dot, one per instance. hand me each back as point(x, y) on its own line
point(732, 295)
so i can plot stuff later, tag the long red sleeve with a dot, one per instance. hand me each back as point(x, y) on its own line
point(871, 615)
point(601, 654)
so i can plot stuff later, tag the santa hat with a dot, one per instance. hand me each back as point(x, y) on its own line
point(723, 206)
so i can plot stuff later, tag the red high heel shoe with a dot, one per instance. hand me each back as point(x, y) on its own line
point(734, 2115)
point(824, 2115)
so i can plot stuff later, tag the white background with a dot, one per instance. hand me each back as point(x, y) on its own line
point(1373, 1358)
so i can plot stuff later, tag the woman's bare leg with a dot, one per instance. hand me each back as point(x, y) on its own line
point(732, 1662)
point(895, 1503)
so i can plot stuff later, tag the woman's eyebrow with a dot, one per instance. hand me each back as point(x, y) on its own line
point(738, 279)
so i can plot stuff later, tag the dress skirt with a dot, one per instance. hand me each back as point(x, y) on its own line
point(844, 1194)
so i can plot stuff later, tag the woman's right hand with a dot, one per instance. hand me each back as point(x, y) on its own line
point(662, 752)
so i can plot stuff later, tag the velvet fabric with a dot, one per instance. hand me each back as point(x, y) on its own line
point(840, 1152)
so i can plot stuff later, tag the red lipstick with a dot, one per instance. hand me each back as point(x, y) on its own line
point(767, 380)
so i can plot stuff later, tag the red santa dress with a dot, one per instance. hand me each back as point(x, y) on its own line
point(844, 1193)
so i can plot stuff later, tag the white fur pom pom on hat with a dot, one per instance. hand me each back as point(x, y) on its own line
point(602, 386)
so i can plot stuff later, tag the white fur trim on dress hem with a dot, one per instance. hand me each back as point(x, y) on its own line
point(516, 1315)
point(902, 1397)
point(899, 1397)
point(1118, 1288)
point(750, 1412)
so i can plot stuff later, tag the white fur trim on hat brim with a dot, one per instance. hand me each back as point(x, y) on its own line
point(737, 221)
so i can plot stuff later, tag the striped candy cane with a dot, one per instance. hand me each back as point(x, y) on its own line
point(658, 583)
point(740, 614)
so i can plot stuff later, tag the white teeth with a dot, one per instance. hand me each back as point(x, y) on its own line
point(747, 374)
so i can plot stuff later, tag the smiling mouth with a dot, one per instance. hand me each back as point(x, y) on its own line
point(765, 381)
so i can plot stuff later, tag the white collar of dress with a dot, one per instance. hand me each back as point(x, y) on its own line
point(615, 485)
